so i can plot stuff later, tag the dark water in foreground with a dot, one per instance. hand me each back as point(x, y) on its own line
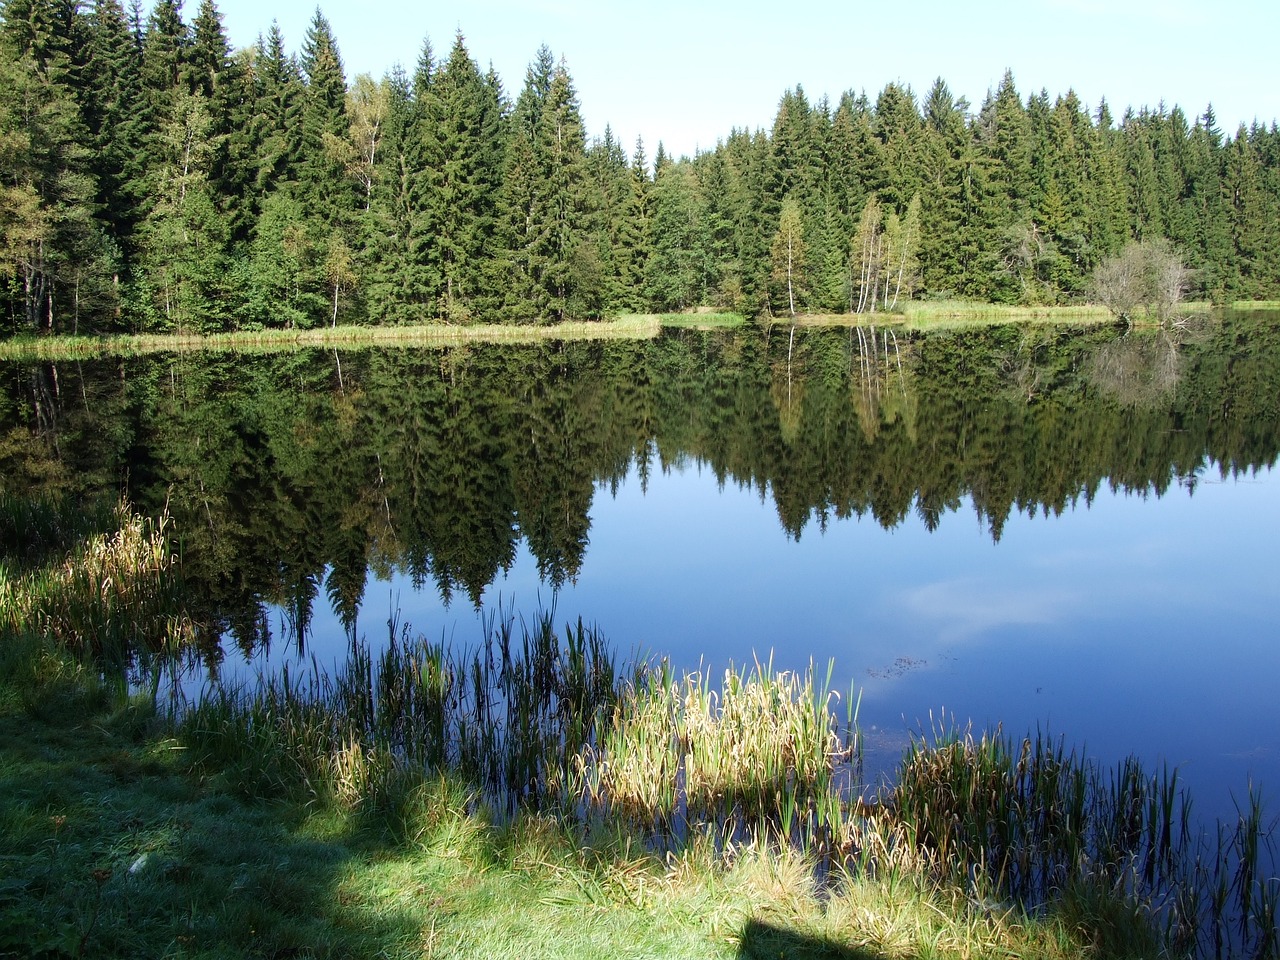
point(1066, 531)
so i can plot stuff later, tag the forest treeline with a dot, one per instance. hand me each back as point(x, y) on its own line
point(154, 179)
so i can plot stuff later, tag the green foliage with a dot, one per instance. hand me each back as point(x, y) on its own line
point(146, 160)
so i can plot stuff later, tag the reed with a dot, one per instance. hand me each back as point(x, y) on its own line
point(505, 718)
point(117, 596)
point(1035, 824)
point(760, 755)
point(34, 532)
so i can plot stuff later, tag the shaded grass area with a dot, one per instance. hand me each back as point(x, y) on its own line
point(530, 798)
point(117, 847)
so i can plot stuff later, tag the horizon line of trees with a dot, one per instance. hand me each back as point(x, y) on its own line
point(153, 179)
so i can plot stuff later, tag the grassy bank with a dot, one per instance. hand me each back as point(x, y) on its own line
point(533, 797)
point(633, 326)
point(913, 315)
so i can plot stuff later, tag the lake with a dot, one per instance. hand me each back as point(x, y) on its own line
point(1071, 531)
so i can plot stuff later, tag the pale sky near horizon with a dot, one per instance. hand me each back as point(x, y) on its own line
point(687, 73)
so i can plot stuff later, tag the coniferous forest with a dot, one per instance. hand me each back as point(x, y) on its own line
point(153, 179)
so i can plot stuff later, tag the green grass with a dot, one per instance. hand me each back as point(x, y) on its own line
point(929, 315)
point(116, 845)
point(532, 798)
point(345, 337)
point(702, 320)
point(1256, 305)
point(953, 314)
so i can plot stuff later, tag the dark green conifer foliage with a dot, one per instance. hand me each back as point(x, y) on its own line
point(164, 49)
point(184, 237)
point(677, 264)
point(463, 156)
point(1207, 246)
point(112, 103)
point(325, 189)
point(1104, 159)
point(389, 228)
point(999, 219)
point(277, 118)
point(61, 264)
point(944, 145)
point(635, 231)
point(559, 207)
point(1146, 217)
point(898, 128)
point(610, 236)
point(544, 201)
point(1246, 203)
point(153, 178)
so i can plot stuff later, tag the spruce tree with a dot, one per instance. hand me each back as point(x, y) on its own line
point(61, 262)
point(389, 228)
point(111, 102)
point(944, 146)
point(463, 153)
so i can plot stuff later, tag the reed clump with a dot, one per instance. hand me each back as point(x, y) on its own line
point(115, 596)
point(759, 755)
point(1032, 823)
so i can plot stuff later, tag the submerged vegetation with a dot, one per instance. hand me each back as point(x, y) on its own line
point(418, 783)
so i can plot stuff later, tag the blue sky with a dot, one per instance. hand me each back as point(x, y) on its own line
point(688, 72)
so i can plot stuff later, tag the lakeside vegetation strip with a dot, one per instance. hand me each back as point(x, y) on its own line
point(546, 728)
point(632, 326)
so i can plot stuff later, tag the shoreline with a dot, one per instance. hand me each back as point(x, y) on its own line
point(921, 316)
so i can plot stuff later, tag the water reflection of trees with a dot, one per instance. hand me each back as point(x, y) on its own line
point(292, 476)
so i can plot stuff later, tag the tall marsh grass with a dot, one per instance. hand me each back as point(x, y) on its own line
point(114, 597)
point(1030, 822)
point(541, 720)
point(638, 326)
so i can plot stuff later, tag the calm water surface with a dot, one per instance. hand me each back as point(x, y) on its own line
point(1040, 530)
point(1134, 624)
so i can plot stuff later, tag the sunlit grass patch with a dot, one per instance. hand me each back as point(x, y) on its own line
point(702, 320)
point(942, 314)
point(632, 326)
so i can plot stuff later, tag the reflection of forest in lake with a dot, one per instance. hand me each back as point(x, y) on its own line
point(292, 475)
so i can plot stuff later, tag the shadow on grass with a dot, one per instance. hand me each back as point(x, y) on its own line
point(763, 940)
